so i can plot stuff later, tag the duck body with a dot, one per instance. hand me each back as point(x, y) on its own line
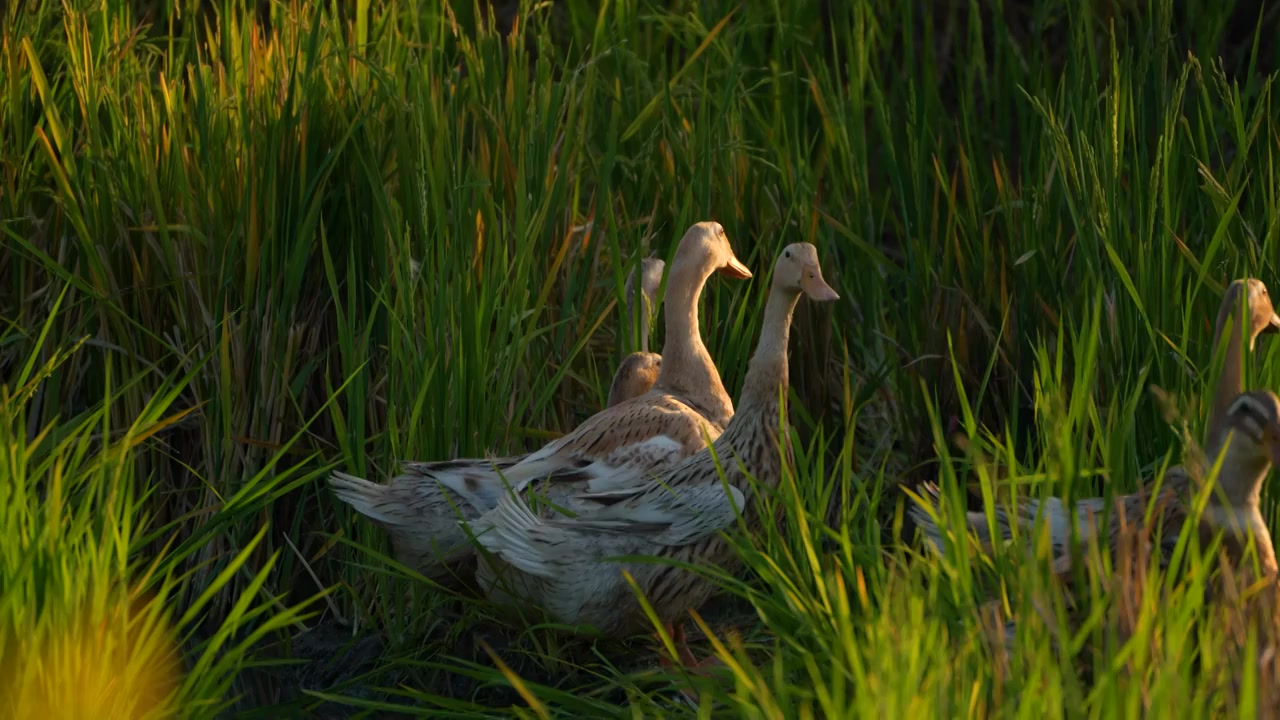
point(1231, 330)
point(566, 565)
point(686, 406)
point(1250, 439)
point(556, 562)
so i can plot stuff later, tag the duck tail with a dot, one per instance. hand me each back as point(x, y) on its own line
point(488, 465)
point(514, 533)
point(478, 482)
point(368, 498)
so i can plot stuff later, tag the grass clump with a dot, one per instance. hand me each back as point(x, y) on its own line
point(243, 246)
point(88, 626)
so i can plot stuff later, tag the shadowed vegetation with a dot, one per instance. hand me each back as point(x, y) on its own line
point(245, 244)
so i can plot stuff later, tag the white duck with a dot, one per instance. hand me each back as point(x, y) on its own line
point(1260, 319)
point(687, 404)
point(564, 564)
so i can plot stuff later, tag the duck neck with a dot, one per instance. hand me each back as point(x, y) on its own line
point(638, 302)
point(1230, 380)
point(646, 312)
point(768, 371)
point(686, 364)
point(1241, 476)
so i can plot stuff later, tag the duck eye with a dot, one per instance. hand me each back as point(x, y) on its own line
point(786, 254)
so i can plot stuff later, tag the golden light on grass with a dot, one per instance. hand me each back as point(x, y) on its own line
point(118, 661)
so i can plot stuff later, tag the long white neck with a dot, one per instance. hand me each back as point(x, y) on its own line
point(768, 371)
point(686, 364)
point(1230, 380)
point(1241, 476)
point(638, 302)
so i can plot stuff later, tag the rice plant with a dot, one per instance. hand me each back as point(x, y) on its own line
point(245, 244)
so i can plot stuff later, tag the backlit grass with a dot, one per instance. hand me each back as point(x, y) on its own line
point(240, 250)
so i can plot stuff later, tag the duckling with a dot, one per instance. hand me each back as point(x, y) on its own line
point(686, 407)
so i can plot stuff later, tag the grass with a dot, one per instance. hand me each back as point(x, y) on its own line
point(240, 253)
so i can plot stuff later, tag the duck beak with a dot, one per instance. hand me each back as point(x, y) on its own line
point(736, 270)
point(1273, 327)
point(815, 287)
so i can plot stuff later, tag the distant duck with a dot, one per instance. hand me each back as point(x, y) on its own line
point(638, 371)
point(1244, 467)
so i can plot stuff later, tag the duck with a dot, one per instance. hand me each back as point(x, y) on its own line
point(1249, 432)
point(686, 407)
point(1262, 320)
point(638, 371)
point(563, 564)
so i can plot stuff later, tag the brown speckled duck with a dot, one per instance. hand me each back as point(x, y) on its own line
point(686, 405)
point(562, 564)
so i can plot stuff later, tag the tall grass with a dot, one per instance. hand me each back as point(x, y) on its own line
point(87, 625)
point(400, 230)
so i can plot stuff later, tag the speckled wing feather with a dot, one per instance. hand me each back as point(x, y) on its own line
point(612, 449)
point(667, 516)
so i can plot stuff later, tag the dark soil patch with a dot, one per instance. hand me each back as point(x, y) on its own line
point(327, 659)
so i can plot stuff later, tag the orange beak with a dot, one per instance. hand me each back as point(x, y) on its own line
point(735, 269)
point(815, 287)
point(1273, 326)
